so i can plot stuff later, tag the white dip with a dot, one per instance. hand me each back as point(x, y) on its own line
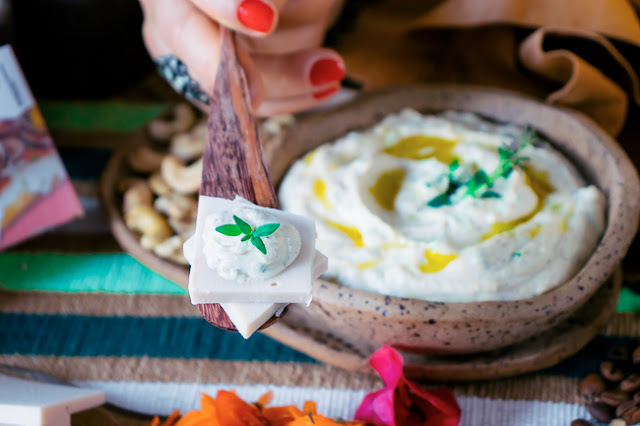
point(372, 195)
point(237, 260)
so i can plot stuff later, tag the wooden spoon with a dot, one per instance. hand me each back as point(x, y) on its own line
point(232, 162)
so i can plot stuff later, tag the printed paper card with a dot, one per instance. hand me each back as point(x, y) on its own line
point(36, 193)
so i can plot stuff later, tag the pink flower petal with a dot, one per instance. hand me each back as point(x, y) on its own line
point(388, 363)
point(365, 410)
point(377, 408)
point(403, 400)
point(441, 400)
point(383, 407)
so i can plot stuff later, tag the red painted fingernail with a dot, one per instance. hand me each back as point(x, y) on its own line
point(255, 15)
point(326, 93)
point(326, 71)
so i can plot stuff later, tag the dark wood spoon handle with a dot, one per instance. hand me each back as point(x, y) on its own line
point(233, 160)
point(233, 163)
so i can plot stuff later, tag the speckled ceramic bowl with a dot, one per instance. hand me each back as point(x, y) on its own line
point(361, 318)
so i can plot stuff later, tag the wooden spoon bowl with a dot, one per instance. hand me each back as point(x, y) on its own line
point(215, 315)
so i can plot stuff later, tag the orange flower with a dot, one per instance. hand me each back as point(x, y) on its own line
point(227, 409)
point(171, 420)
point(233, 411)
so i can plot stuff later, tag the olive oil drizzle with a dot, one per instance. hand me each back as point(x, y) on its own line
point(320, 192)
point(367, 265)
point(539, 182)
point(436, 262)
point(350, 231)
point(386, 188)
point(421, 147)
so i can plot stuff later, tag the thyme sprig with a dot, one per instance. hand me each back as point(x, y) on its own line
point(480, 183)
point(253, 235)
point(452, 186)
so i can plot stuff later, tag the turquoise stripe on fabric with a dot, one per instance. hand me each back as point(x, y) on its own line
point(77, 335)
point(112, 273)
point(64, 115)
point(119, 273)
point(177, 337)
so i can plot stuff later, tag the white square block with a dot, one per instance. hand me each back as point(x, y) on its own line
point(30, 403)
point(293, 285)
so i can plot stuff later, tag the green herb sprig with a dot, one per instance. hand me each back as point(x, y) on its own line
point(444, 199)
point(253, 235)
point(480, 183)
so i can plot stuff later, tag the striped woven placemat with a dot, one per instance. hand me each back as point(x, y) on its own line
point(74, 306)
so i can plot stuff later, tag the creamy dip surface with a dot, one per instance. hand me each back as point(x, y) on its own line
point(374, 195)
point(237, 260)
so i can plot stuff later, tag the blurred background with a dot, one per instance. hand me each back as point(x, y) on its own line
point(71, 49)
point(4, 22)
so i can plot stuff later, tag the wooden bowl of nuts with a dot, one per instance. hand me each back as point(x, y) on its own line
point(149, 187)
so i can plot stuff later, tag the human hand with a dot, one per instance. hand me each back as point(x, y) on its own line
point(278, 47)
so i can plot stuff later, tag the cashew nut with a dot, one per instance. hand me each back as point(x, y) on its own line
point(176, 206)
point(184, 227)
point(181, 178)
point(274, 125)
point(144, 219)
point(144, 159)
point(149, 243)
point(158, 185)
point(137, 194)
point(171, 248)
point(200, 130)
point(187, 146)
point(181, 120)
point(179, 258)
point(272, 134)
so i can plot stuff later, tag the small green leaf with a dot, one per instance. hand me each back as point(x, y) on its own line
point(242, 225)
point(477, 181)
point(257, 242)
point(530, 136)
point(490, 194)
point(453, 166)
point(480, 178)
point(440, 200)
point(266, 229)
point(453, 187)
point(507, 171)
point(246, 237)
point(504, 153)
point(229, 229)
